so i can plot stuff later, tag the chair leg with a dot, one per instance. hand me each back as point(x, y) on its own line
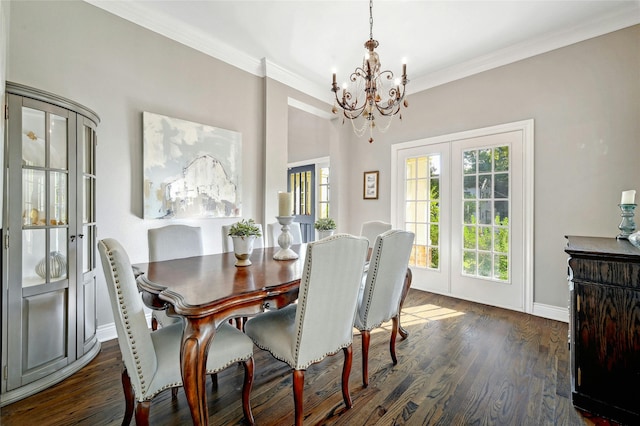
point(366, 338)
point(346, 371)
point(129, 398)
point(154, 324)
point(174, 393)
point(246, 391)
point(405, 289)
point(298, 386)
point(394, 333)
point(142, 413)
point(214, 381)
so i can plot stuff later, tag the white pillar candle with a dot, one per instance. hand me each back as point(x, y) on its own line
point(628, 197)
point(285, 203)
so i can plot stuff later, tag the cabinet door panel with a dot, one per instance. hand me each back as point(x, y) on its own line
point(44, 330)
point(608, 339)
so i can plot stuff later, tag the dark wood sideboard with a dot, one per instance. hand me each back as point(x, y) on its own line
point(604, 328)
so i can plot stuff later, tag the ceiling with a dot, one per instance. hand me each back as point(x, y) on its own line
point(301, 42)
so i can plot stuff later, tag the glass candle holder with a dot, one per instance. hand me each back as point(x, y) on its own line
point(627, 225)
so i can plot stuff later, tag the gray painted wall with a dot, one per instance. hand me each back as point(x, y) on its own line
point(584, 99)
point(307, 136)
point(119, 70)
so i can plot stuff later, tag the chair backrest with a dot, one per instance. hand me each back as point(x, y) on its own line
point(275, 229)
point(387, 270)
point(134, 337)
point(174, 242)
point(327, 297)
point(227, 241)
point(372, 229)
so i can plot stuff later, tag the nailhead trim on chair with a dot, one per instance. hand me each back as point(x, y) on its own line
point(374, 281)
point(123, 309)
point(302, 302)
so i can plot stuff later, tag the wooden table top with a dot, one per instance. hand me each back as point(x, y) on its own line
point(203, 285)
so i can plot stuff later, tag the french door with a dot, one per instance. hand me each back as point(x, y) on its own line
point(301, 181)
point(467, 198)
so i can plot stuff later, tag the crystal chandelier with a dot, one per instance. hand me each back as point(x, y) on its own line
point(369, 96)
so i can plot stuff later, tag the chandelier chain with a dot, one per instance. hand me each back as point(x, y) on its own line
point(371, 19)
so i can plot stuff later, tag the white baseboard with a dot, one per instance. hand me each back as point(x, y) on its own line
point(108, 331)
point(551, 312)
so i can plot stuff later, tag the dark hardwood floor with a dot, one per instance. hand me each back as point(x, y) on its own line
point(463, 364)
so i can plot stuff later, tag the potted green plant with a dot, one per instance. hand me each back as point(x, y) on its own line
point(325, 226)
point(243, 234)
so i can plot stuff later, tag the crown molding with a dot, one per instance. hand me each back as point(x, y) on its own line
point(623, 18)
point(283, 75)
point(178, 31)
point(318, 112)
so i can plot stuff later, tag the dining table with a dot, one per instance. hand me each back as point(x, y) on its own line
point(208, 290)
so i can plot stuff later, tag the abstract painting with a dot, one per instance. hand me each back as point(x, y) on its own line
point(191, 170)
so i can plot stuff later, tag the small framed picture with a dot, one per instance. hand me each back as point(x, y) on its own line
point(370, 191)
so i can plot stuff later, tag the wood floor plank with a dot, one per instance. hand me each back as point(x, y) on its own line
point(463, 363)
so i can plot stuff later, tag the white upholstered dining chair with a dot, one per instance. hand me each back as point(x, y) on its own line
point(321, 323)
point(275, 229)
point(172, 242)
point(227, 241)
point(372, 229)
point(379, 300)
point(152, 358)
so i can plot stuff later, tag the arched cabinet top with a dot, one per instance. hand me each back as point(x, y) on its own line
point(41, 95)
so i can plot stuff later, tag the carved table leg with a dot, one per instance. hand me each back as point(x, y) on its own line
point(196, 339)
point(407, 284)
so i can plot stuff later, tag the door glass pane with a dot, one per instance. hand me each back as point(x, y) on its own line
point(57, 255)
point(469, 186)
point(87, 204)
point(487, 256)
point(469, 162)
point(484, 160)
point(33, 251)
point(58, 144)
point(410, 168)
point(58, 198)
point(422, 208)
point(87, 143)
point(501, 156)
point(501, 185)
point(33, 137)
point(33, 197)
point(434, 258)
point(87, 248)
point(484, 186)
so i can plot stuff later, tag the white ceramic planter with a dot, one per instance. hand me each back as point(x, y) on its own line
point(242, 248)
point(325, 233)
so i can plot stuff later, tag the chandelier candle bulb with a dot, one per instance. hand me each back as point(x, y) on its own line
point(628, 197)
point(285, 203)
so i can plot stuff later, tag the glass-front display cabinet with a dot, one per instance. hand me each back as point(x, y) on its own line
point(49, 241)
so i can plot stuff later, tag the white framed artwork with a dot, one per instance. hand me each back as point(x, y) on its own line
point(191, 170)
